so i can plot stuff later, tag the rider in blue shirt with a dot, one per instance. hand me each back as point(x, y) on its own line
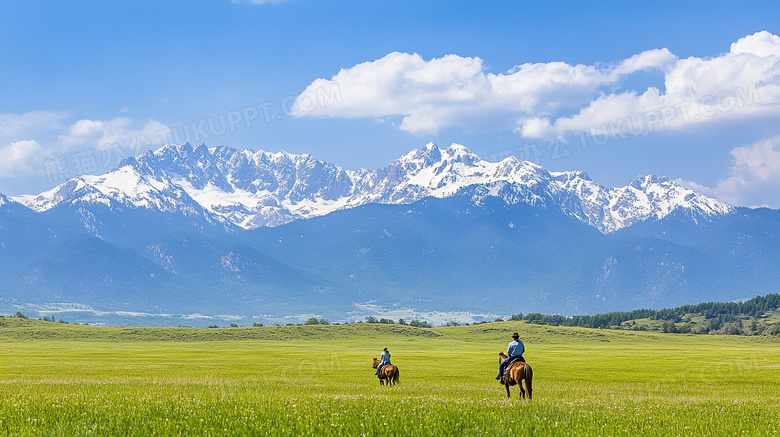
point(514, 351)
point(384, 360)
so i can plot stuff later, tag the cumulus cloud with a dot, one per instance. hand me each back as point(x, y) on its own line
point(762, 44)
point(454, 90)
point(541, 100)
point(743, 84)
point(660, 59)
point(20, 124)
point(29, 142)
point(754, 177)
point(19, 154)
point(102, 134)
point(21, 157)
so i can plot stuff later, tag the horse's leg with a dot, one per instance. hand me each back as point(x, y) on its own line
point(508, 395)
point(518, 376)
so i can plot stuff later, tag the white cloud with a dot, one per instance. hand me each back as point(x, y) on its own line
point(762, 44)
point(21, 157)
point(754, 177)
point(547, 99)
point(102, 134)
point(454, 90)
point(658, 59)
point(33, 138)
point(743, 84)
point(536, 128)
point(16, 125)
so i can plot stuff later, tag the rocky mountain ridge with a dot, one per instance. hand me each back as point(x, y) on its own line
point(250, 190)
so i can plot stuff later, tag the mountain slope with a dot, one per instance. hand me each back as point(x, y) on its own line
point(252, 190)
point(191, 230)
point(452, 254)
point(467, 252)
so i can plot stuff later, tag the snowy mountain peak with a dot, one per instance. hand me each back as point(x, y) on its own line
point(5, 200)
point(566, 176)
point(644, 181)
point(456, 149)
point(185, 149)
point(255, 189)
point(459, 153)
point(64, 193)
point(430, 158)
point(422, 157)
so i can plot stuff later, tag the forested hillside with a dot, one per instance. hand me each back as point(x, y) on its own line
point(760, 315)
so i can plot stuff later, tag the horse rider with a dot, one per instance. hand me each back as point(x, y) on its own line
point(384, 359)
point(514, 351)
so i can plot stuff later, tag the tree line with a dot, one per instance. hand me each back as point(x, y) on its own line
point(720, 317)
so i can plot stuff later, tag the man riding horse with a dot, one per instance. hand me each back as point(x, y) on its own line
point(514, 351)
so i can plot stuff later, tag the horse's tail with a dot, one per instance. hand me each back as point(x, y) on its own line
point(529, 376)
point(396, 375)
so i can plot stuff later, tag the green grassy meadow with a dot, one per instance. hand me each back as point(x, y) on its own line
point(59, 379)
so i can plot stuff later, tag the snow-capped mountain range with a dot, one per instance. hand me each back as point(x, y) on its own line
point(250, 189)
point(196, 230)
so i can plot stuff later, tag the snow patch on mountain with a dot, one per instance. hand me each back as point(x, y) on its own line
point(256, 189)
point(124, 185)
point(647, 197)
point(75, 189)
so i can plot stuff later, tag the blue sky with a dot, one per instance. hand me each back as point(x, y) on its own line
point(554, 82)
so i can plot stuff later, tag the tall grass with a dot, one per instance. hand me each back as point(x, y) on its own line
point(77, 380)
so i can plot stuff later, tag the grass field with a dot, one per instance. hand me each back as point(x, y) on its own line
point(58, 379)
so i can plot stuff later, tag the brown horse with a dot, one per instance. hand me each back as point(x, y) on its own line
point(388, 372)
point(517, 372)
